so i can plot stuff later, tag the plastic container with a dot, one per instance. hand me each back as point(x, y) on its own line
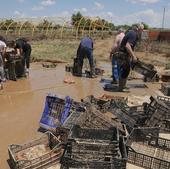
point(148, 151)
point(94, 148)
point(41, 153)
point(55, 112)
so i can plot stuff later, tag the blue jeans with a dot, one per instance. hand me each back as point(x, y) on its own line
point(115, 69)
point(86, 52)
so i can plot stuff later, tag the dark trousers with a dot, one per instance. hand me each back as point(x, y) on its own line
point(85, 52)
point(27, 54)
point(123, 62)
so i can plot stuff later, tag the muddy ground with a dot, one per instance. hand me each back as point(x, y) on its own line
point(22, 102)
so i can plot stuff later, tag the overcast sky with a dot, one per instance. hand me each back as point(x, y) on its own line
point(117, 11)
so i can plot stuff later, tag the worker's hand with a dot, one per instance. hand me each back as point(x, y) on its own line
point(134, 59)
point(133, 62)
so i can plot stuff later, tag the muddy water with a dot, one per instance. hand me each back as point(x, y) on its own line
point(22, 102)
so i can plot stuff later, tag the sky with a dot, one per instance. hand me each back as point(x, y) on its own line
point(116, 11)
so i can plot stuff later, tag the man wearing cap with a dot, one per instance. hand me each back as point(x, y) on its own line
point(115, 49)
point(126, 54)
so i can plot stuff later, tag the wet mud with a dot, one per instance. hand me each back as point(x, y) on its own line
point(22, 102)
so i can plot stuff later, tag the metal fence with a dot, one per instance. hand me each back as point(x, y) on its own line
point(53, 28)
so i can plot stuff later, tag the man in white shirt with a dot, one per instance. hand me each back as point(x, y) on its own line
point(115, 49)
point(2, 51)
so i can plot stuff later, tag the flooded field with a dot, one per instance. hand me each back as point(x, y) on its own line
point(22, 102)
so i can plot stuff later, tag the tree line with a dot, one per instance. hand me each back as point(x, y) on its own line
point(77, 20)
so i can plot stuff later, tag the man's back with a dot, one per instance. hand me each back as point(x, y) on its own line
point(130, 37)
point(118, 40)
point(21, 43)
point(87, 42)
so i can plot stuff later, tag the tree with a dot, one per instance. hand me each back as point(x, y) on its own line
point(76, 18)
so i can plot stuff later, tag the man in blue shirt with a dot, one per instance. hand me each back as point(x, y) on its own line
point(86, 50)
point(126, 54)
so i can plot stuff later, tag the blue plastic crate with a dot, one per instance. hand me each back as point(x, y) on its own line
point(55, 112)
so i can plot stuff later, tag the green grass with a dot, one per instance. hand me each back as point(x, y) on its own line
point(54, 50)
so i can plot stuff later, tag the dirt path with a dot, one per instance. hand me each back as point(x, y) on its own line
point(22, 102)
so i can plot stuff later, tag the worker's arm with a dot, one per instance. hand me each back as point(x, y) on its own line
point(130, 52)
point(19, 48)
point(115, 47)
point(3, 53)
point(19, 52)
point(113, 50)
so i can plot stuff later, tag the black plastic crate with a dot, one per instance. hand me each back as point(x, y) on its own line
point(148, 151)
point(165, 88)
point(141, 133)
point(94, 134)
point(74, 116)
point(156, 111)
point(104, 102)
point(93, 118)
point(15, 69)
point(125, 117)
point(165, 126)
point(98, 141)
point(164, 99)
point(100, 104)
point(107, 163)
point(140, 116)
point(91, 148)
point(148, 70)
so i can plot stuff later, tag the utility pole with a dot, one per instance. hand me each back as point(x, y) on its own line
point(163, 19)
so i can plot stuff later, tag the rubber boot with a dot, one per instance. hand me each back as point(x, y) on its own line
point(122, 84)
point(79, 70)
point(92, 72)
